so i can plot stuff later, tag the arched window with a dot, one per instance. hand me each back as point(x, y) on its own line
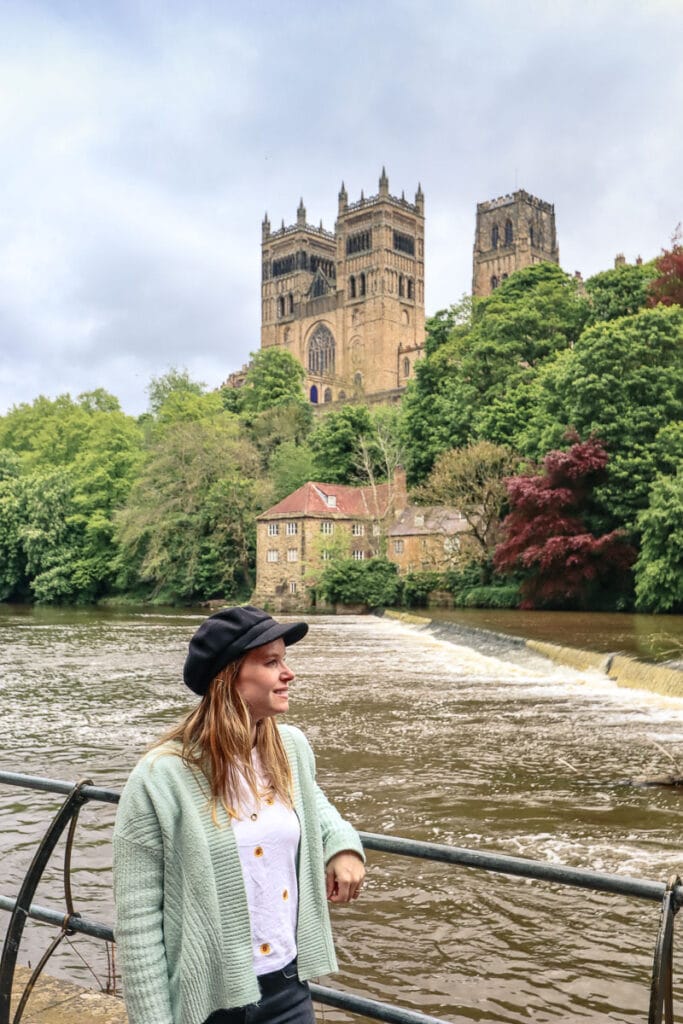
point(321, 351)
point(411, 288)
point(328, 395)
point(504, 277)
point(406, 367)
point(494, 283)
point(401, 286)
point(291, 303)
point(361, 284)
point(531, 234)
point(508, 232)
point(494, 236)
point(341, 396)
point(314, 394)
point(352, 287)
point(358, 380)
point(281, 306)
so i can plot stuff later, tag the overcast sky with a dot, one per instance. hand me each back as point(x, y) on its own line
point(143, 142)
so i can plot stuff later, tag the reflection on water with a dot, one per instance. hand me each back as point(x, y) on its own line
point(414, 736)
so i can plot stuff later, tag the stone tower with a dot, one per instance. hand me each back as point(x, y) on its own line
point(512, 232)
point(348, 304)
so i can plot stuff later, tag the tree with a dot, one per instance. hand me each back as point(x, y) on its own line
point(563, 565)
point(472, 480)
point(622, 291)
point(667, 287)
point(334, 442)
point(659, 569)
point(291, 466)
point(274, 378)
point(173, 382)
point(622, 382)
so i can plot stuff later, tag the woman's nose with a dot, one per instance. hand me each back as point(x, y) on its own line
point(287, 673)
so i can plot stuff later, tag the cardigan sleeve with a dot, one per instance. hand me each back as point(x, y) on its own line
point(337, 833)
point(138, 895)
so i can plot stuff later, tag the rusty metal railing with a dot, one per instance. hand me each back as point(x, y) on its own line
point(669, 895)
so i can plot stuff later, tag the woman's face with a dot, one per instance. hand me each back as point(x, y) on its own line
point(263, 681)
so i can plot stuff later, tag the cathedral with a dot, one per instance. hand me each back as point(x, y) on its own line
point(349, 303)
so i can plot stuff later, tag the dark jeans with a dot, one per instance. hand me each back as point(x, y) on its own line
point(284, 1000)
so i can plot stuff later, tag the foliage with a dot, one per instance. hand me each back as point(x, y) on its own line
point(274, 378)
point(174, 382)
point(667, 288)
point(563, 564)
point(659, 569)
point(334, 442)
point(374, 583)
point(278, 425)
point(488, 597)
point(417, 586)
point(291, 466)
point(472, 480)
point(478, 384)
point(623, 383)
point(188, 530)
point(618, 292)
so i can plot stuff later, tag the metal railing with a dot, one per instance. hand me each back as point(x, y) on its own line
point(669, 895)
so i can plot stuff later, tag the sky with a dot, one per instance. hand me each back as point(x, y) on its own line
point(142, 143)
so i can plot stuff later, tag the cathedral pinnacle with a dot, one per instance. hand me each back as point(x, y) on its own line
point(384, 183)
point(301, 214)
point(343, 198)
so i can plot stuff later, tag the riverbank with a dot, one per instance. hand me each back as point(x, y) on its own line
point(623, 669)
point(55, 1001)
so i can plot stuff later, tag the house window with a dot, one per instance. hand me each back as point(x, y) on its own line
point(376, 531)
point(357, 529)
point(331, 500)
point(292, 529)
point(272, 555)
point(419, 520)
point(273, 529)
point(292, 555)
point(325, 554)
point(292, 587)
point(398, 547)
point(358, 555)
point(326, 526)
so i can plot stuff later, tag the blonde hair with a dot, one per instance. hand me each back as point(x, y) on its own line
point(216, 738)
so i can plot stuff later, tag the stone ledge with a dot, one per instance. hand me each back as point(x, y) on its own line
point(54, 1001)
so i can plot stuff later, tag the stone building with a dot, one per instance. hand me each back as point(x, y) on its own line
point(511, 232)
point(429, 539)
point(348, 304)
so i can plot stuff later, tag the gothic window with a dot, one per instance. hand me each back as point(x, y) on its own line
point(361, 284)
point(321, 351)
point(360, 242)
point(342, 396)
point(352, 287)
point(328, 395)
point(358, 380)
point(406, 367)
point(281, 306)
point(531, 234)
point(494, 283)
point(291, 303)
point(401, 286)
point(494, 236)
point(508, 232)
point(319, 286)
point(314, 395)
point(411, 288)
point(404, 243)
point(284, 266)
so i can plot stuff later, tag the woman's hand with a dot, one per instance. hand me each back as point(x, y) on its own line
point(344, 876)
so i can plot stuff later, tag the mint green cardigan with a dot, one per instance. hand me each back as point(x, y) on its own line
point(182, 923)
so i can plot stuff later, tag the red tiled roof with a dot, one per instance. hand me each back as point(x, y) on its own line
point(351, 502)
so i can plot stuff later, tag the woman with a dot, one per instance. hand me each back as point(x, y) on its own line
point(225, 848)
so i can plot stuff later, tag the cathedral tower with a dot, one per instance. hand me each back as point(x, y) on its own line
point(511, 232)
point(349, 305)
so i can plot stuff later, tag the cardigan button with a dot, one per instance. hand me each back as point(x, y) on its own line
point(264, 948)
point(285, 894)
point(258, 852)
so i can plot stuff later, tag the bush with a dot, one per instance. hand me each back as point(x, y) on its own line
point(374, 583)
point(417, 586)
point(488, 597)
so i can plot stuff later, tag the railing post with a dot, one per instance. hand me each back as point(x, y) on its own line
point(15, 930)
point(661, 989)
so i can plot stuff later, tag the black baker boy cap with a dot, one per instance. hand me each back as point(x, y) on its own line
point(226, 635)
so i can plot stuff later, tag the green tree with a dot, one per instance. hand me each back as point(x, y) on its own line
point(472, 480)
point(618, 292)
point(274, 378)
point(374, 583)
point(659, 569)
point(334, 442)
point(173, 382)
point(291, 466)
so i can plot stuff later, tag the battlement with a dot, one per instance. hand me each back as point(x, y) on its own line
point(520, 196)
point(366, 201)
point(291, 229)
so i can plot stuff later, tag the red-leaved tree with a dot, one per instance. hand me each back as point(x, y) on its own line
point(667, 287)
point(546, 539)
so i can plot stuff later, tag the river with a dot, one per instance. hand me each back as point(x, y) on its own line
point(415, 736)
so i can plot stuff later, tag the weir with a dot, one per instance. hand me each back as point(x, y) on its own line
point(668, 895)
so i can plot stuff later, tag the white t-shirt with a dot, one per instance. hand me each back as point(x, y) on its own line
point(267, 836)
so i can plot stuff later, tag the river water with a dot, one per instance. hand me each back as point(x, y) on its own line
point(491, 748)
